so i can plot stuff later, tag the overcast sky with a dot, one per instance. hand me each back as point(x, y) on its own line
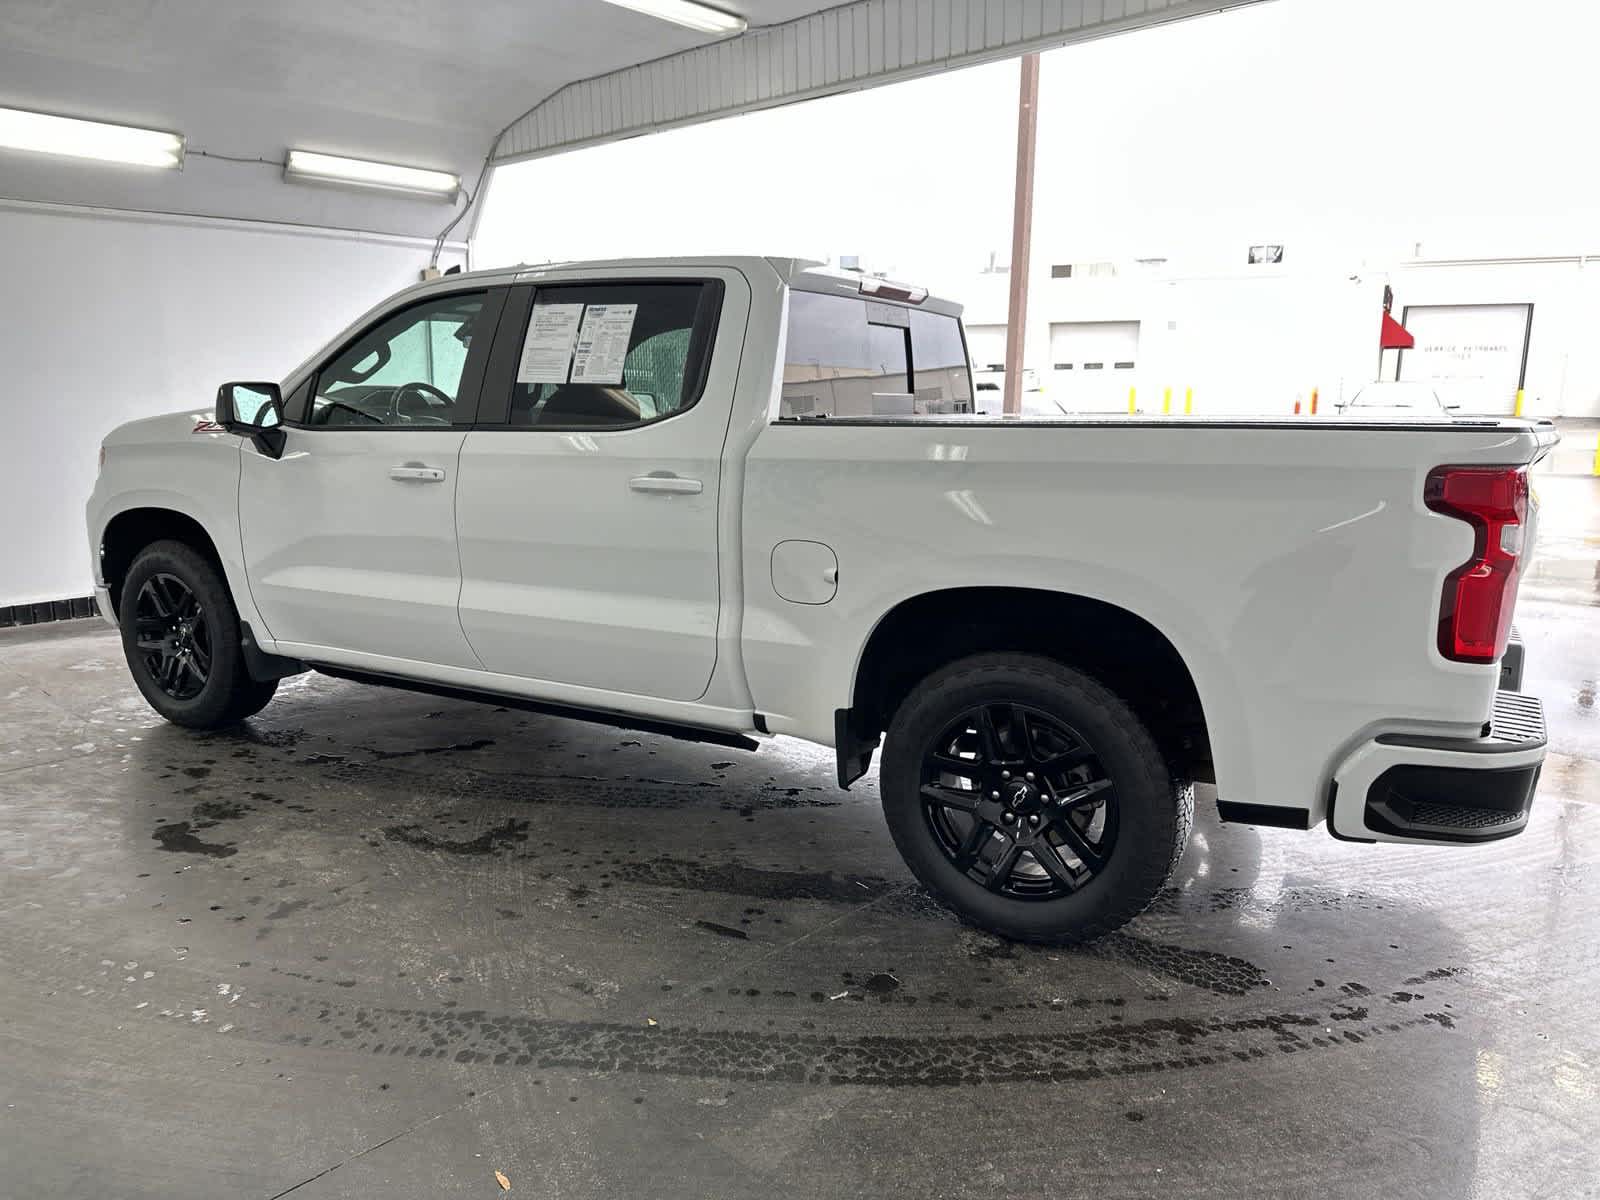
point(1349, 130)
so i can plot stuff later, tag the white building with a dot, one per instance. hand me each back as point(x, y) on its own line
point(1242, 337)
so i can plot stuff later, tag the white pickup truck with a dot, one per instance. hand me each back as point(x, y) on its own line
point(733, 498)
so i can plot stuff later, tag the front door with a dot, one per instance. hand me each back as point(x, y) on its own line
point(349, 536)
point(587, 507)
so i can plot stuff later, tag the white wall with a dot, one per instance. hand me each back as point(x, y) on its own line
point(108, 317)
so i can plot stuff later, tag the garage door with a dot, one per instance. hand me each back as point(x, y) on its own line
point(986, 346)
point(1092, 363)
point(1474, 355)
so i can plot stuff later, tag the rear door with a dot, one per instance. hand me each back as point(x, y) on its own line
point(587, 502)
point(349, 536)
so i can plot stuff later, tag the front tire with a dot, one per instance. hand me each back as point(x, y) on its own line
point(180, 634)
point(1030, 800)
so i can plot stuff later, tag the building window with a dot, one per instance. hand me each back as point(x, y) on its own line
point(1123, 366)
point(1061, 271)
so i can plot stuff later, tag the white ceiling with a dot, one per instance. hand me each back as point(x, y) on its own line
point(431, 82)
point(423, 82)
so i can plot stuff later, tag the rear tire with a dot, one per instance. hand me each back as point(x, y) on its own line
point(1030, 800)
point(180, 634)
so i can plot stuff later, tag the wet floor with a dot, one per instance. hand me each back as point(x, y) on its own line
point(379, 944)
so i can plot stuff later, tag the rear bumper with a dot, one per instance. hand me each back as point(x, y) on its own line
point(1511, 664)
point(1410, 788)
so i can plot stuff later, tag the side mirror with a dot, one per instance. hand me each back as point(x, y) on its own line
point(254, 410)
point(249, 407)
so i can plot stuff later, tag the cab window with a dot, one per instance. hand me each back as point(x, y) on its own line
point(406, 371)
point(613, 355)
point(850, 357)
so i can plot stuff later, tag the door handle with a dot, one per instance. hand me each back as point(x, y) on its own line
point(675, 485)
point(417, 473)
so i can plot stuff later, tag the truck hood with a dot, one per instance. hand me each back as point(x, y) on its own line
point(169, 427)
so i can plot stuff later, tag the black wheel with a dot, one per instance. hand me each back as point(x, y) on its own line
point(1029, 799)
point(180, 633)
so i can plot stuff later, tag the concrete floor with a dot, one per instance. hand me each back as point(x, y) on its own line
point(373, 944)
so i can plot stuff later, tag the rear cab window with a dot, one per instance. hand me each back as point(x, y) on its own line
point(851, 356)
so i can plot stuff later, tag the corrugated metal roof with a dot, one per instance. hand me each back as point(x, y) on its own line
point(853, 46)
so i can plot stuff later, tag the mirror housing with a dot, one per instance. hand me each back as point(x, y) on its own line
point(253, 410)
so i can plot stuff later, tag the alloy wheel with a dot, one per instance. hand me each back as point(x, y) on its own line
point(172, 636)
point(1019, 801)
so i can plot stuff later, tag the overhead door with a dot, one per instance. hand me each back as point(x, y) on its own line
point(986, 346)
point(1092, 363)
point(1474, 355)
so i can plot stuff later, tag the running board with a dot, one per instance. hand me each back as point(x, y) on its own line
point(572, 712)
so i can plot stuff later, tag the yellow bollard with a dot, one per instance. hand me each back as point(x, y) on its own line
point(1517, 411)
point(1166, 402)
point(1313, 402)
point(1188, 401)
point(1597, 458)
point(1133, 394)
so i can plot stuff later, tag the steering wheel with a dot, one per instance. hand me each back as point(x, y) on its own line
point(424, 390)
point(351, 408)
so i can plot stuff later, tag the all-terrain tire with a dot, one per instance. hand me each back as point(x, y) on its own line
point(229, 694)
point(1154, 810)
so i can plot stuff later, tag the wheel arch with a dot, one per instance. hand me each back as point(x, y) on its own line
point(1120, 648)
point(132, 529)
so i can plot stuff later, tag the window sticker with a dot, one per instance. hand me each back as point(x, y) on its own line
point(547, 350)
point(603, 343)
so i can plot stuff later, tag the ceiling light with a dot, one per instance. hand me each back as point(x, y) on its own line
point(701, 17)
point(44, 134)
point(330, 168)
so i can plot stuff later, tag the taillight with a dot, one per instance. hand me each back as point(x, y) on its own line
point(1475, 610)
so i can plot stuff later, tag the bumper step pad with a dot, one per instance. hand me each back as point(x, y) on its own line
point(1461, 803)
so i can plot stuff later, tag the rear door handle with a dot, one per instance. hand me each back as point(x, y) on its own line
point(675, 485)
point(417, 473)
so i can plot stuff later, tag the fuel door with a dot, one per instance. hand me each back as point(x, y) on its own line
point(805, 572)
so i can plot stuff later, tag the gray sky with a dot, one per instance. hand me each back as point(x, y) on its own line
point(1349, 130)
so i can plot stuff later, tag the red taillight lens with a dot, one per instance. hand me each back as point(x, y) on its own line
point(1475, 610)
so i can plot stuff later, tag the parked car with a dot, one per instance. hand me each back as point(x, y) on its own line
point(989, 382)
point(695, 497)
point(1401, 398)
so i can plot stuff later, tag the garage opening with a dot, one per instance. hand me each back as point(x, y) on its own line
point(1092, 363)
point(1474, 355)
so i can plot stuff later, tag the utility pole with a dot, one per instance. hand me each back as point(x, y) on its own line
point(1022, 230)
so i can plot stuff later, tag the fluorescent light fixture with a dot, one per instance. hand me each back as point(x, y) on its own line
point(331, 168)
point(74, 138)
point(700, 17)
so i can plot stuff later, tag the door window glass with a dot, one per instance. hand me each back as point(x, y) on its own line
point(609, 355)
point(406, 371)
